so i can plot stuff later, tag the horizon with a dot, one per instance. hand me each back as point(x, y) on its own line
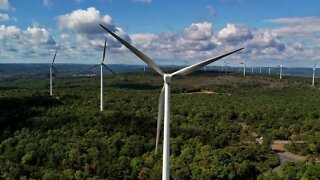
point(270, 32)
point(161, 65)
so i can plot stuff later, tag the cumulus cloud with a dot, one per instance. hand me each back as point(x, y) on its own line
point(5, 5)
point(266, 40)
point(195, 41)
point(30, 42)
point(4, 17)
point(234, 33)
point(87, 33)
point(199, 31)
point(85, 21)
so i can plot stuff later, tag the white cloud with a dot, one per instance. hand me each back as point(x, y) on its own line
point(305, 27)
point(85, 21)
point(5, 5)
point(234, 33)
point(31, 42)
point(4, 17)
point(196, 41)
point(199, 31)
point(87, 34)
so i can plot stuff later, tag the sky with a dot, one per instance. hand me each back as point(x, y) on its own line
point(170, 32)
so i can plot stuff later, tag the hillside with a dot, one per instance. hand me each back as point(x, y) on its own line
point(68, 137)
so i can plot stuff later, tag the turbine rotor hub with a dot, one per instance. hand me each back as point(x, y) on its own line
point(167, 78)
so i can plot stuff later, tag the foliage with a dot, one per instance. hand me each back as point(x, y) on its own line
point(66, 137)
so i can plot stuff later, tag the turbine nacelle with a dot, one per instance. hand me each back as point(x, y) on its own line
point(167, 78)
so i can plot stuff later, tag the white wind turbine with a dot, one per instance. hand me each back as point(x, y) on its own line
point(226, 67)
point(52, 68)
point(244, 67)
point(281, 66)
point(164, 99)
point(313, 73)
point(102, 65)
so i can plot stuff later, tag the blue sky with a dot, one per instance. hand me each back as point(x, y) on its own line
point(168, 31)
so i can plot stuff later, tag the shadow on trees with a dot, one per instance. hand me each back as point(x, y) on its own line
point(130, 123)
point(8, 88)
point(134, 86)
point(15, 111)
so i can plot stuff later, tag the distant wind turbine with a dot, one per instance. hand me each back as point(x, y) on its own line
point(313, 73)
point(52, 68)
point(244, 67)
point(102, 65)
point(281, 66)
point(164, 99)
point(226, 67)
point(269, 70)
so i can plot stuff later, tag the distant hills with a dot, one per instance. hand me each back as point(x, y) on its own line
point(74, 69)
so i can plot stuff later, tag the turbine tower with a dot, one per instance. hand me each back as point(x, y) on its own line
point(244, 67)
point(102, 65)
point(269, 70)
point(281, 66)
point(226, 67)
point(164, 98)
point(313, 73)
point(52, 68)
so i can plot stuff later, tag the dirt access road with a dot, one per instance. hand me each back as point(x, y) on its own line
point(278, 147)
point(284, 155)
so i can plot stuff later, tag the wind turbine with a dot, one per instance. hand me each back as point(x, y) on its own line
point(260, 69)
point(221, 66)
point(164, 98)
point(269, 70)
point(281, 66)
point(244, 67)
point(226, 67)
point(102, 65)
point(313, 73)
point(52, 68)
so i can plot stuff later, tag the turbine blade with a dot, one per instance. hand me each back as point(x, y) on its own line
point(54, 57)
point(138, 53)
point(160, 117)
point(55, 70)
point(104, 50)
point(112, 71)
point(88, 68)
point(194, 67)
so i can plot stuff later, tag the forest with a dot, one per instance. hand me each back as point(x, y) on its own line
point(67, 137)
